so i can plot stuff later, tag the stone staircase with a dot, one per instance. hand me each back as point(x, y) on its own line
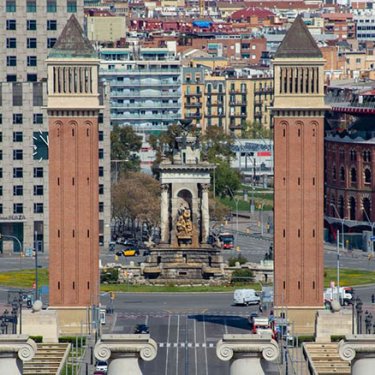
point(324, 359)
point(49, 359)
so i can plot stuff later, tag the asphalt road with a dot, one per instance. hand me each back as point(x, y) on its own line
point(186, 328)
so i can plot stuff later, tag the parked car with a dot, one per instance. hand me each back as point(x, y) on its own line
point(130, 251)
point(101, 366)
point(142, 328)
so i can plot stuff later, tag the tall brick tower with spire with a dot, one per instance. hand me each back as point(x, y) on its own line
point(73, 105)
point(298, 153)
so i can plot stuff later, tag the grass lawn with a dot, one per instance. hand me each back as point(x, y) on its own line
point(349, 277)
point(26, 278)
point(245, 206)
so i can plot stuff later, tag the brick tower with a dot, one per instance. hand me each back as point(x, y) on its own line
point(73, 106)
point(298, 147)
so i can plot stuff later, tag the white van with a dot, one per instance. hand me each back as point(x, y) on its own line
point(245, 297)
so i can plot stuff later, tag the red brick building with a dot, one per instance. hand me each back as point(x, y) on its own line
point(73, 106)
point(298, 153)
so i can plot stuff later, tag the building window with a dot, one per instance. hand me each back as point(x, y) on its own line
point(51, 25)
point(71, 6)
point(18, 208)
point(101, 171)
point(31, 25)
point(31, 43)
point(11, 25)
point(31, 6)
point(1, 208)
point(17, 118)
point(366, 156)
point(17, 136)
point(17, 190)
point(11, 43)
point(11, 78)
point(17, 154)
point(101, 206)
point(101, 153)
point(32, 77)
point(51, 6)
point(10, 6)
point(367, 176)
point(353, 155)
point(38, 118)
point(101, 135)
point(38, 189)
point(1, 154)
point(38, 172)
point(342, 174)
point(101, 189)
point(31, 61)
point(100, 118)
point(334, 173)
point(38, 208)
point(1, 190)
point(353, 175)
point(51, 42)
point(11, 60)
point(17, 172)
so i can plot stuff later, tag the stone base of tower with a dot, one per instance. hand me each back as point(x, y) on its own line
point(73, 321)
point(302, 319)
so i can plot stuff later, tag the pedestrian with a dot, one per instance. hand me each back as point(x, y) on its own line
point(260, 308)
point(373, 298)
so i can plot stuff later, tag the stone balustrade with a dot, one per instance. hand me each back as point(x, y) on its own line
point(247, 352)
point(360, 350)
point(14, 350)
point(124, 352)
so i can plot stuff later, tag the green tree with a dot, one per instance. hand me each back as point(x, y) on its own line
point(227, 179)
point(255, 130)
point(125, 145)
point(216, 145)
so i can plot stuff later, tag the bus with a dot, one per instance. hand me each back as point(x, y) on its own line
point(226, 240)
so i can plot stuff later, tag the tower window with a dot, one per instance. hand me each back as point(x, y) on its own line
point(284, 233)
point(299, 181)
point(72, 132)
point(58, 233)
point(283, 132)
point(74, 285)
point(58, 285)
point(299, 132)
point(314, 181)
point(283, 284)
point(88, 233)
point(88, 285)
point(313, 285)
point(73, 233)
point(73, 181)
point(299, 233)
point(313, 233)
point(299, 285)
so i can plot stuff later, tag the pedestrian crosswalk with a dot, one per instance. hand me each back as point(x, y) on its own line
point(189, 345)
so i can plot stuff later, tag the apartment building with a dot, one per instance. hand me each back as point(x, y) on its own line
point(145, 86)
point(226, 101)
point(30, 30)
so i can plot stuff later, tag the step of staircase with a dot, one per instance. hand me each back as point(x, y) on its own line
point(324, 359)
point(47, 359)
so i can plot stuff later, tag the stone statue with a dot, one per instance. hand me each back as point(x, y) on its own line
point(184, 226)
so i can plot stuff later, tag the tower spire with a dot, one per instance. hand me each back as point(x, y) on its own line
point(298, 42)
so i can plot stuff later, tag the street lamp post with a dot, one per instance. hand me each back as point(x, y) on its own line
point(36, 265)
point(342, 219)
point(372, 230)
point(236, 200)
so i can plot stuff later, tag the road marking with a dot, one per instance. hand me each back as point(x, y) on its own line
point(197, 345)
point(195, 348)
point(204, 339)
point(182, 345)
point(168, 344)
point(146, 320)
point(225, 325)
point(177, 338)
point(190, 345)
point(211, 345)
point(161, 345)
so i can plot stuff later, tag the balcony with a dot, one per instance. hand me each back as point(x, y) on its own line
point(134, 72)
point(264, 90)
point(136, 105)
point(258, 114)
point(148, 116)
point(193, 94)
point(193, 115)
point(193, 105)
point(145, 94)
point(238, 115)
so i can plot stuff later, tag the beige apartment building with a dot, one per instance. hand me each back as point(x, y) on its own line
point(30, 31)
point(226, 102)
point(106, 28)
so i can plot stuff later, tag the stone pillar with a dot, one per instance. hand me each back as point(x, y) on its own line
point(247, 353)
point(123, 352)
point(205, 213)
point(14, 349)
point(164, 215)
point(360, 350)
